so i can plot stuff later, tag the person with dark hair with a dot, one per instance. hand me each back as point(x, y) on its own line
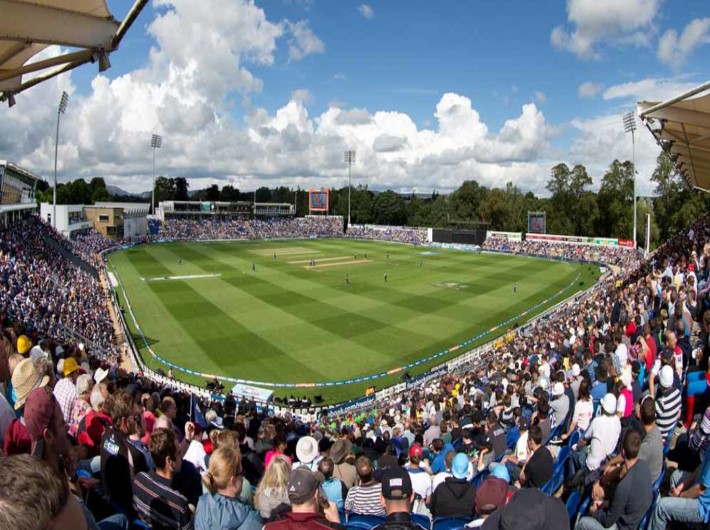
point(120, 460)
point(159, 505)
point(632, 496)
point(397, 497)
point(583, 411)
point(454, 497)
point(33, 495)
point(333, 488)
point(364, 497)
point(538, 468)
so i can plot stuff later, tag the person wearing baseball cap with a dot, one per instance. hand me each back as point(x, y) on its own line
point(602, 436)
point(310, 509)
point(397, 497)
point(46, 427)
point(668, 401)
point(529, 509)
point(491, 495)
point(454, 497)
point(65, 389)
point(421, 481)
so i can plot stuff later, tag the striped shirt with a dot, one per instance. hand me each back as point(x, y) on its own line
point(158, 505)
point(365, 500)
point(668, 405)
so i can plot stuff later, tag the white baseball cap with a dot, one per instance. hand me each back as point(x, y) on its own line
point(558, 389)
point(666, 377)
point(609, 403)
point(575, 370)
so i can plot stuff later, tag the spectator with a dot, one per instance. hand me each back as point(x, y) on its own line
point(668, 401)
point(306, 505)
point(583, 411)
point(159, 505)
point(220, 508)
point(529, 509)
point(538, 468)
point(333, 488)
point(65, 389)
point(419, 478)
point(271, 496)
point(455, 496)
point(344, 471)
point(602, 436)
point(491, 495)
point(397, 497)
point(364, 498)
point(632, 496)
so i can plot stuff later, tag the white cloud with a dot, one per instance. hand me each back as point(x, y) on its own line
point(303, 41)
point(594, 22)
point(674, 50)
point(590, 89)
point(188, 97)
point(652, 89)
point(605, 135)
point(366, 11)
point(340, 77)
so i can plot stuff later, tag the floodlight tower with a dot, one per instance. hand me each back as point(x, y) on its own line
point(63, 102)
point(349, 160)
point(630, 127)
point(156, 142)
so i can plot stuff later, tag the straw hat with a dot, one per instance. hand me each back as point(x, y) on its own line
point(25, 379)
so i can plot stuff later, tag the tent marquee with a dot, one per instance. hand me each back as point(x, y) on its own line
point(84, 29)
point(681, 126)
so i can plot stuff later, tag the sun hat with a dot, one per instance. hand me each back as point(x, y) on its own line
point(100, 375)
point(459, 466)
point(501, 472)
point(69, 367)
point(340, 450)
point(37, 353)
point(25, 379)
point(306, 449)
point(23, 344)
point(666, 377)
point(609, 403)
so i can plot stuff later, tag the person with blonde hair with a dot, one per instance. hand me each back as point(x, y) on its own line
point(272, 493)
point(221, 508)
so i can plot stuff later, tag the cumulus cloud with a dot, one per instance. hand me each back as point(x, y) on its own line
point(593, 22)
point(590, 89)
point(366, 11)
point(186, 92)
point(303, 41)
point(674, 50)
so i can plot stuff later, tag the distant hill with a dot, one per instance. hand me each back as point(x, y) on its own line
point(115, 191)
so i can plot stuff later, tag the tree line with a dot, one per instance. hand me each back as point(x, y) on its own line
point(572, 208)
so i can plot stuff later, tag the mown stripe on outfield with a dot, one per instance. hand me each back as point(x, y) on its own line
point(216, 333)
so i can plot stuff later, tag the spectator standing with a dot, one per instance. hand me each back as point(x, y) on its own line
point(65, 389)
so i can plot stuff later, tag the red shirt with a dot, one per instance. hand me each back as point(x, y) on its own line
point(651, 353)
point(17, 439)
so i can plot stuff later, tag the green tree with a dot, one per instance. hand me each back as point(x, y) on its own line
point(181, 187)
point(229, 193)
point(164, 190)
point(496, 208)
point(389, 208)
point(212, 193)
point(616, 197)
point(677, 204)
point(466, 201)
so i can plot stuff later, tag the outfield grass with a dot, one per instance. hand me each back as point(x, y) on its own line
point(290, 322)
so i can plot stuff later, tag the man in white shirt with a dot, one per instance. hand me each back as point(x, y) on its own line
point(421, 481)
point(602, 437)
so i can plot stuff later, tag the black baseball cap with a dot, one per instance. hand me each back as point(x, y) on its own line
point(302, 484)
point(396, 484)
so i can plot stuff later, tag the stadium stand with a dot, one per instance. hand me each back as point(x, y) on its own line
point(642, 330)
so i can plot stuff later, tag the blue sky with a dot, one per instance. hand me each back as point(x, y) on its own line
point(423, 90)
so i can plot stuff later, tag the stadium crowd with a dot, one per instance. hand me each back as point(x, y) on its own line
point(239, 228)
point(394, 234)
point(601, 406)
point(611, 255)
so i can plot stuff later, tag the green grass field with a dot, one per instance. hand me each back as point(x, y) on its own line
point(290, 322)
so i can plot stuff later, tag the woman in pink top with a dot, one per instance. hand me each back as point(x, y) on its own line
point(278, 449)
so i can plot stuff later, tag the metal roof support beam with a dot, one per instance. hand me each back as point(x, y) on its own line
point(685, 95)
point(48, 25)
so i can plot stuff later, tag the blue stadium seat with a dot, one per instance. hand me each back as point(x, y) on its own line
point(582, 511)
point(574, 438)
point(649, 512)
point(573, 504)
point(659, 480)
point(450, 523)
point(422, 520)
point(558, 472)
point(457, 443)
point(479, 478)
point(364, 522)
point(140, 525)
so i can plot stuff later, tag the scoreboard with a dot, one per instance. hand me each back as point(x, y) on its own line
point(318, 200)
point(537, 223)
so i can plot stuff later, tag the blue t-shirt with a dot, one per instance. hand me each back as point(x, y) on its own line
point(704, 499)
point(599, 390)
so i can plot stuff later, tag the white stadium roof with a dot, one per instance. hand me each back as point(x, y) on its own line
point(681, 127)
point(85, 29)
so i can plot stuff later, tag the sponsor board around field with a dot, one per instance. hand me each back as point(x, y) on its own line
point(183, 277)
point(506, 236)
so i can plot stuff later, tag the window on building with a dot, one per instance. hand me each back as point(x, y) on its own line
point(103, 218)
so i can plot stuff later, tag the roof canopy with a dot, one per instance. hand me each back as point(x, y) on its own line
point(681, 127)
point(85, 29)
